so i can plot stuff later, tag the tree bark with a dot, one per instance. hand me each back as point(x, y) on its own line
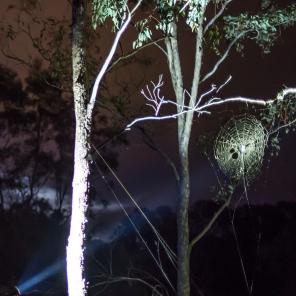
point(75, 256)
point(183, 280)
point(183, 272)
point(184, 132)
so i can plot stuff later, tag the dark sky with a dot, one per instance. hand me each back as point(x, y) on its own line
point(143, 171)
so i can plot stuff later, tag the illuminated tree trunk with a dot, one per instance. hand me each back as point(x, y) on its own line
point(184, 133)
point(83, 111)
point(75, 256)
point(183, 272)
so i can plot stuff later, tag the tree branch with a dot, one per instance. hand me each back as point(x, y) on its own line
point(151, 143)
point(175, 63)
point(224, 56)
point(209, 225)
point(216, 17)
point(31, 66)
point(196, 73)
point(108, 59)
point(281, 127)
point(15, 58)
point(114, 280)
point(213, 102)
point(133, 52)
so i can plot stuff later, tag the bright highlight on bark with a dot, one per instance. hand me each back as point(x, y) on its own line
point(75, 249)
point(83, 113)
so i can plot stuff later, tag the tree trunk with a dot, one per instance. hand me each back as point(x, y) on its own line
point(183, 272)
point(75, 256)
point(183, 280)
point(184, 132)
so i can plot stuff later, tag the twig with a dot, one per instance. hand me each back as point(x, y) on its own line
point(221, 60)
point(132, 53)
point(156, 101)
point(209, 225)
point(151, 143)
point(282, 126)
point(216, 17)
point(128, 279)
point(131, 220)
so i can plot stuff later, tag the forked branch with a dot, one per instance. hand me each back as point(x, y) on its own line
point(223, 57)
point(205, 102)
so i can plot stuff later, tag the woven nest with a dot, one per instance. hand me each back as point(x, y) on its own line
point(239, 148)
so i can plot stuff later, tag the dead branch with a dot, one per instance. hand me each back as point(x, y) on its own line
point(156, 101)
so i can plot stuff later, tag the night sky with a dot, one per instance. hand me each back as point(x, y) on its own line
point(143, 171)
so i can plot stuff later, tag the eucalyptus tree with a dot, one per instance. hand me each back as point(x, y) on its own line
point(50, 39)
point(164, 16)
point(49, 36)
point(214, 30)
point(121, 14)
point(31, 120)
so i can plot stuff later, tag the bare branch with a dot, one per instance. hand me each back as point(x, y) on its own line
point(151, 143)
point(216, 17)
point(133, 52)
point(31, 66)
point(224, 56)
point(281, 127)
point(161, 48)
point(212, 89)
point(15, 58)
point(173, 116)
point(154, 96)
point(156, 102)
point(218, 101)
point(113, 280)
point(209, 225)
point(287, 91)
point(108, 59)
point(225, 83)
point(185, 5)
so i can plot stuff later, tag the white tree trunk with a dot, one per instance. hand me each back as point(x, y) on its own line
point(75, 248)
point(75, 256)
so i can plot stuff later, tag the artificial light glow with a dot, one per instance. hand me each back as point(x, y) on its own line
point(27, 285)
point(9, 291)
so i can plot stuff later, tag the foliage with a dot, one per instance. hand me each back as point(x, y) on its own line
point(144, 35)
point(277, 118)
point(195, 12)
point(214, 39)
point(264, 27)
point(31, 121)
point(167, 12)
point(105, 9)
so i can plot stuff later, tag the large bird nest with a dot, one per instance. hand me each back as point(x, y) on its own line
point(239, 148)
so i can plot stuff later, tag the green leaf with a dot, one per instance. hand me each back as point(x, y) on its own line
point(104, 9)
point(264, 28)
